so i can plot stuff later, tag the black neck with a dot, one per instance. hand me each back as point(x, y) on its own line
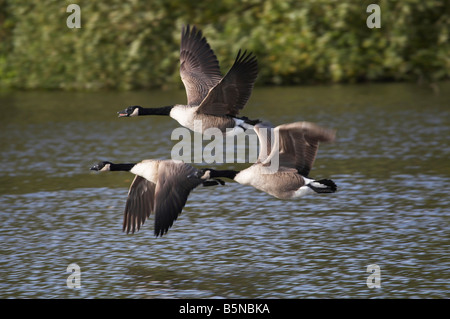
point(165, 110)
point(121, 167)
point(228, 173)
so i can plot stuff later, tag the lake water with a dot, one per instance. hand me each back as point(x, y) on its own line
point(390, 163)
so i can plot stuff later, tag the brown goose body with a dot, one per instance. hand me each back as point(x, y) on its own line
point(287, 154)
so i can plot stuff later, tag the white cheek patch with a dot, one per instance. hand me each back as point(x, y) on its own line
point(207, 175)
point(135, 112)
point(106, 168)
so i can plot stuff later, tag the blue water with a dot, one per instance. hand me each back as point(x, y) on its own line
point(390, 163)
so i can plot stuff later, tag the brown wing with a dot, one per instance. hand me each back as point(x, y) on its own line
point(265, 134)
point(299, 142)
point(172, 190)
point(140, 203)
point(199, 68)
point(231, 94)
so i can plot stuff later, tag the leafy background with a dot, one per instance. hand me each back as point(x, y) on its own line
point(127, 45)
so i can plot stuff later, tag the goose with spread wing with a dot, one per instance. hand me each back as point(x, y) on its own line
point(160, 187)
point(213, 101)
point(286, 156)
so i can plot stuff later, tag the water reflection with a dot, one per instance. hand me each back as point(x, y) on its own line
point(391, 209)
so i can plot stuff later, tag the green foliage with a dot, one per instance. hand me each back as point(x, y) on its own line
point(135, 44)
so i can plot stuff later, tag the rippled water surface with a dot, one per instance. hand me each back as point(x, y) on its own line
point(390, 162)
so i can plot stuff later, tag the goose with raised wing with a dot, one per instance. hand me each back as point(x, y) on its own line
point(213, 101)
point(286, 156)
point(160, 187)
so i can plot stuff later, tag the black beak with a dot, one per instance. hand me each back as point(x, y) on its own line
point(94, 168)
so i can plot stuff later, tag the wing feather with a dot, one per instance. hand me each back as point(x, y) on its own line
point(231, 94)
point(299, 142)
point(265, 133)
point(172, 190)
point(199, 67)
point(140, 203)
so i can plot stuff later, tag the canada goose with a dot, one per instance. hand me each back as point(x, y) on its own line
point(211, 99)
point(297, 148)
point(160, 186)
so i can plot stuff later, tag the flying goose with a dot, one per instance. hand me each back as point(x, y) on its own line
point(161, 187)
point(211, 99)
point(296, 149)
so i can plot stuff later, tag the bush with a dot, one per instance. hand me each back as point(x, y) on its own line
point(135, 44)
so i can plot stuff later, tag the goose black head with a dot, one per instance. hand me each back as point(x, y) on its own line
point(205, 175)
point(202, 173)
point(101, 166)
point(130, 111)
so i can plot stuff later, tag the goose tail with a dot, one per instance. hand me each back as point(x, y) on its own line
point(249, 121)
point(323, 186)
